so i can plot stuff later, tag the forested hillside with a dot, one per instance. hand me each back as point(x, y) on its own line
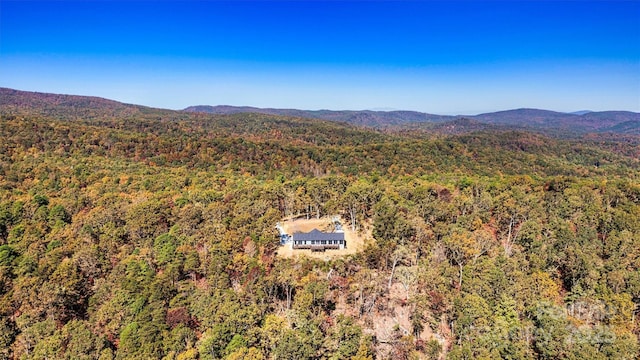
point(136, 233)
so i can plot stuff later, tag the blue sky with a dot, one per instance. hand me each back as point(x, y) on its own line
point(445, 57)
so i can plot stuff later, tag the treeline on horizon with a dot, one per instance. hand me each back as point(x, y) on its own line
point(151, 235)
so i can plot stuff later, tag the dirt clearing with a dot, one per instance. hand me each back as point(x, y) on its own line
point(355, 240)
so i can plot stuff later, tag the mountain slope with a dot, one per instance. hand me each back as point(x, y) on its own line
point(73, 106)
point(631, 127)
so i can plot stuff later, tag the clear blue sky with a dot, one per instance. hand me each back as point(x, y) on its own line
point(446, 57)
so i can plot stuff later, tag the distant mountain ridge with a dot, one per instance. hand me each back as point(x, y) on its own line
point(587, 121)
point(356, 117)
point(535, 118)
point(580, 112)
point(89, 107)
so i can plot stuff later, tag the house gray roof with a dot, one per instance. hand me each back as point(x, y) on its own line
point(317, 235)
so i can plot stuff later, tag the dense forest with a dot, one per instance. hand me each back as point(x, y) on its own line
point(136, 233)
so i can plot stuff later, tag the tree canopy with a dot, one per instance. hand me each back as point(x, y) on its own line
point(143, 233)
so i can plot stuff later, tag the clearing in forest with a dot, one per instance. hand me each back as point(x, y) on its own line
point(355, 240)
